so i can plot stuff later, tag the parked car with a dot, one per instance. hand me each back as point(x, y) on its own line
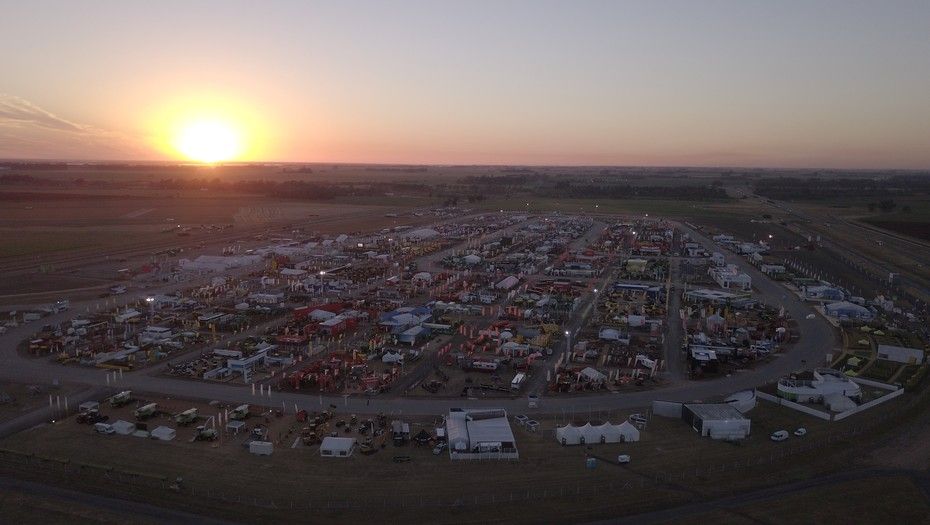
point(800, 432)
point(437, 450)
point(781, 435)
point(623, 459)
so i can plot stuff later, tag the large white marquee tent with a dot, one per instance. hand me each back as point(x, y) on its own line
point(591, 434)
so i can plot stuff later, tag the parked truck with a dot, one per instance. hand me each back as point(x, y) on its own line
point(146, 411)
point(187, 417)
point(91, 417)
point(121, 399)
point(240, 412)
point(202, 433)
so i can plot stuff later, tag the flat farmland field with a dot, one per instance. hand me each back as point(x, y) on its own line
point(160, 209)
point(655, 207)
point(912, 228)
point(18, 241)
point(47, 223)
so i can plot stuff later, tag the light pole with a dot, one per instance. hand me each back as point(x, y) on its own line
point(151, 301)
point(568, 345)
point(322, 282)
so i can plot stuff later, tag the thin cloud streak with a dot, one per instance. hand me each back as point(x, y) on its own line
point(29, 131)
point(18, 111)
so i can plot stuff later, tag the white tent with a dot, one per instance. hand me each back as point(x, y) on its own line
point(593, 375)
point(337, 447)
point(628, 431)
point(610, 433)
point(513, 347)
point(568, 435)
point(590, 434)
point(124, 427)
point(390, 357)
point(507, 283)
point(163, 433)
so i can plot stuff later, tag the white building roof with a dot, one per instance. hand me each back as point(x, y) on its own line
point(469, 428)
point(335, 445)
point(422, 234)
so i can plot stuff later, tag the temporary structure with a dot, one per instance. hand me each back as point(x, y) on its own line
point(337, 447)
point(568, 435)
point(124, 427)
point(628, 432)
point(593, 375)
point(163, 433)
point(507, 283)
point(590, 434)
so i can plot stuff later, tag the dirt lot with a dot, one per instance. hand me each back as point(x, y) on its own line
point(849, 502)
point(553, 478)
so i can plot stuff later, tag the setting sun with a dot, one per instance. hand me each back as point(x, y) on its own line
point(209, 141)
point(208, 128)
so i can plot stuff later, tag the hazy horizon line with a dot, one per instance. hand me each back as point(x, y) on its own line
point(450, 165)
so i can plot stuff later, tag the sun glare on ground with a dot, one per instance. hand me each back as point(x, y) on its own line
point(209, 141)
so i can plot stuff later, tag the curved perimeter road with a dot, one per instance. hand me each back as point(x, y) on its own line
point(817, 338)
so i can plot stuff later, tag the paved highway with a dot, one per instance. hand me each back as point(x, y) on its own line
point(817, 339)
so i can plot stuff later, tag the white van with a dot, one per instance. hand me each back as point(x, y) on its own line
point(781, 435)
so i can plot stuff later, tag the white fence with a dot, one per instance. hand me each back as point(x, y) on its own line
point(870, 404)
point(895, 392)
point(483, 456)
point(874, 384)
point(795, 406)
